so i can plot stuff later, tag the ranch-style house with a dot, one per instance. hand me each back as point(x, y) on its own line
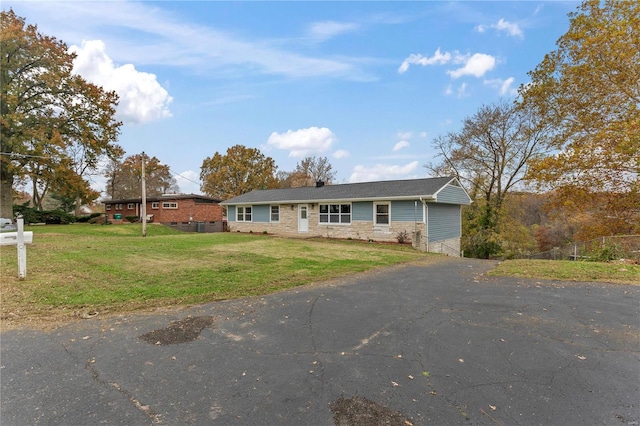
point(427, 211)
point(187, 212)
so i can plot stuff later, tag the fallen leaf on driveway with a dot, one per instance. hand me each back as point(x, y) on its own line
point(493, 407)
point(582, 358)
point(461, 360)
point(394, 384)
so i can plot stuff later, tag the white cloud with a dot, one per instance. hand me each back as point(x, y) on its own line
point(462, 90)
point(503, 86)
point(142, 98)
point(325, 30)
point(512, 29)
point(400, 145)
point(163, 38)
point(382, 172)
point(341, 153)
point(189, 182)
point(476, 65)
point(303, 142)
point(438, 58)
point(423, 135)
point(404, 135)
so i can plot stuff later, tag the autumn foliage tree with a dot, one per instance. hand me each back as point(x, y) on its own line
point(237, 172)
point(307, 172)
point(589, 91)
point(54, 125)
point(489, 155)
point(124, 178)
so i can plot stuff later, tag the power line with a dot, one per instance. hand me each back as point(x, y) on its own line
point(15, 154)
point(183, 177)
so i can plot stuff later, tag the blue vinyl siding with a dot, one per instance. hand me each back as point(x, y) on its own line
point(231, 213)
point(261, 213)
point(406, 211)
point(444, 221)
point(362, 211)
point(452, 195)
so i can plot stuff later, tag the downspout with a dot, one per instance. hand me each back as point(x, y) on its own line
point(425, 220)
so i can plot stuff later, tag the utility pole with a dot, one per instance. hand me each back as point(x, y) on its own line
point(143, 207)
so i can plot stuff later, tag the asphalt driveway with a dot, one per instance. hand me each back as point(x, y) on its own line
point(438, 343)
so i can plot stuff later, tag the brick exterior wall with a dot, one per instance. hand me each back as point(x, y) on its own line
point(188, 211)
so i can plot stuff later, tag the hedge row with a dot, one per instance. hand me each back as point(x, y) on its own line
point(52, 217)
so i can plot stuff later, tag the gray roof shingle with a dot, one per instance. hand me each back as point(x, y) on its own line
point(165, 197)
point(390, 189)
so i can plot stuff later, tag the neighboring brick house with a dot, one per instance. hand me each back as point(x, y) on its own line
point(427, 210)
point(188, 212)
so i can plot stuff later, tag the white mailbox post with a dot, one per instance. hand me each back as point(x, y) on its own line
point(19, 239)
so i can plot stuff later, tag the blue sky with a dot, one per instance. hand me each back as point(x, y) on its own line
point(367, 84)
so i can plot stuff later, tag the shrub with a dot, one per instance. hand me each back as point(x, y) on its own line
point(58, 217)
point(402, 237)
point(132, 218)
point(99, 219)
point(83, 219)
point(608, 253)
point(51, 217)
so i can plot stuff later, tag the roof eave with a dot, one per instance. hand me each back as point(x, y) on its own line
point(329, 200)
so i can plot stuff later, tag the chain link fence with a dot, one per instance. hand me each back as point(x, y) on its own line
point(617, 247)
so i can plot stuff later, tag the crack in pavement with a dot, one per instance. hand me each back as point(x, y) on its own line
point(91, 367)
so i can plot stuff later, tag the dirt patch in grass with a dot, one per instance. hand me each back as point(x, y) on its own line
point(182, 331)
point(359, 411)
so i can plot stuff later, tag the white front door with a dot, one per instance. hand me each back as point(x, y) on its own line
point(303, 218)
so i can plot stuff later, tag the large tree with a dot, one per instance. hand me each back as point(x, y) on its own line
point(490, 156)
point(124, 179)
point(315, 169)
point(54, 125)
point(237, 172)
point(589, 91)
point(308, 172)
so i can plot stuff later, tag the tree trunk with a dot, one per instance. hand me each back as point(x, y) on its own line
point(6, 198)
point(77, 211)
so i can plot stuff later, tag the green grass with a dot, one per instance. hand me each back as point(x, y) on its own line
point(613, 272)
point(113, 268)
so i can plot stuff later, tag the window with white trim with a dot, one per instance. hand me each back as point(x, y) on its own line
point(155, 205)
point(130, 206)
point(107, 207)
point(243, 214)
point(275, 213)
point(169, 205)
point(335, 213)
point(118, 206)
point(381, 216)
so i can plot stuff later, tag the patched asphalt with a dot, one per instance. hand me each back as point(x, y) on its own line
point(441, 343)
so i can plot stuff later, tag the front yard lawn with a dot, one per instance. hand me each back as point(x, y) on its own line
point(75, 270)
